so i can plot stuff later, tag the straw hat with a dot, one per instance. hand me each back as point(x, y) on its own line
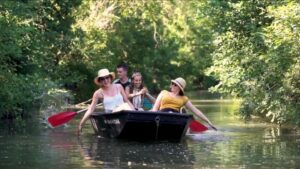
point(180, 83)
point(103, 73)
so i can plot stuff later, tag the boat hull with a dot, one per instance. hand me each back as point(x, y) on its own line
point(141, 125)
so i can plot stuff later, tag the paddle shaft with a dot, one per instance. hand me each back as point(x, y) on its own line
point(80, 111)
point(150, 97)
point(84, 102)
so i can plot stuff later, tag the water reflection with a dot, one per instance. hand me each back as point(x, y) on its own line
point(119, 153)
point(236, 144)
point(248, 147)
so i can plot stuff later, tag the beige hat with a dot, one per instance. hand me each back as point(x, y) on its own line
point(103, 73)
point(180, 83)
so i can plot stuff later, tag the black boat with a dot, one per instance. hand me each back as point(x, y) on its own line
point(141, 125)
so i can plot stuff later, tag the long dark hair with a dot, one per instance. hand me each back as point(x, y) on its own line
point(181, 93)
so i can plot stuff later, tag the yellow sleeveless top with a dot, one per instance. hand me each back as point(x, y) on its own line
point(168, 101)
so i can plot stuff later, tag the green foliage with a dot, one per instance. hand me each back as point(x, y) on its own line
point(32, 42)
point(250, 49)
point(259, 61)
point(147, 36)
point(64, 43)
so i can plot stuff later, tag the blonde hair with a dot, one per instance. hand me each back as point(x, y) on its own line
point(135, 74)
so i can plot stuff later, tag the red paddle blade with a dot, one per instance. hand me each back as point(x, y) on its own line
point(60, 118)
point(196, 126)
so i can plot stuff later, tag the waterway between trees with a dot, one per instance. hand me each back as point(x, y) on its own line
point(236, 144)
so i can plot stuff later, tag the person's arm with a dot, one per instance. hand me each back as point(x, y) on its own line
point(126, 100)
point(150, 97)
point(127, 91)
point(131, 95)
point(157, 103)
point(89, 111)
point(143, 91)
point(190, 106)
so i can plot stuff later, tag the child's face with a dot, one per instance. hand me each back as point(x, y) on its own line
point(137, 81)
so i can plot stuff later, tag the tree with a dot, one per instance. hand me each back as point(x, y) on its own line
point(256, 57)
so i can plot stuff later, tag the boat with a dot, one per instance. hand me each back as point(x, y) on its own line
point(141, 125)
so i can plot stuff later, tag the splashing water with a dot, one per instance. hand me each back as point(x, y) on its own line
point(54, 101)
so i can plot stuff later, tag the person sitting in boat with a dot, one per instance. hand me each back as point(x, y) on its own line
point(174, 100)
point(137, 92)
point(113, 96)
point(122, 70)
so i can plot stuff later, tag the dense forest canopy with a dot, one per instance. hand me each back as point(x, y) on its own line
point(249, 49)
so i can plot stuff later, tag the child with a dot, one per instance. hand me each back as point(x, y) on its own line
point(137, 92)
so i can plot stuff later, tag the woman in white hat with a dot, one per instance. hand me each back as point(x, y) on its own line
point(173, 100)
point(112, 95)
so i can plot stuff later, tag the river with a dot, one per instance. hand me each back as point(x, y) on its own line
point(237, 144)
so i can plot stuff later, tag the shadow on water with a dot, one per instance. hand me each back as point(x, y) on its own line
point(111, 153)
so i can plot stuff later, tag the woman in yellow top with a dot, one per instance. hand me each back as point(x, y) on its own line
point(172, 101)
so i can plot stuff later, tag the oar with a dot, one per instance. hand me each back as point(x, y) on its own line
point(64, 117)
point(84, 102)
point(197, 127)
point(151, 98)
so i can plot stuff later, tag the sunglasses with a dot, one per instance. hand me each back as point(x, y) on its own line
point(104, 78)
point(174, 84)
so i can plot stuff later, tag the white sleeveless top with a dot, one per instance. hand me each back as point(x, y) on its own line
point(111, 102)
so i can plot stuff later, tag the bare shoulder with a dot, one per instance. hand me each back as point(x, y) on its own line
point(119, 86)
point(164, 92)
point(98, 93)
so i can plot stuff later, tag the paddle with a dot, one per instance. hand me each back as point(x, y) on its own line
point(63, 117)
point(197, 127)
point(84, 102)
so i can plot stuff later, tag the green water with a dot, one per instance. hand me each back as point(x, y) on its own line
point(236, 145)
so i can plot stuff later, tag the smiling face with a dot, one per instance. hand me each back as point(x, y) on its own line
point(137, 81)
point(122, 73)
point(105, 81)
point(174, 88)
